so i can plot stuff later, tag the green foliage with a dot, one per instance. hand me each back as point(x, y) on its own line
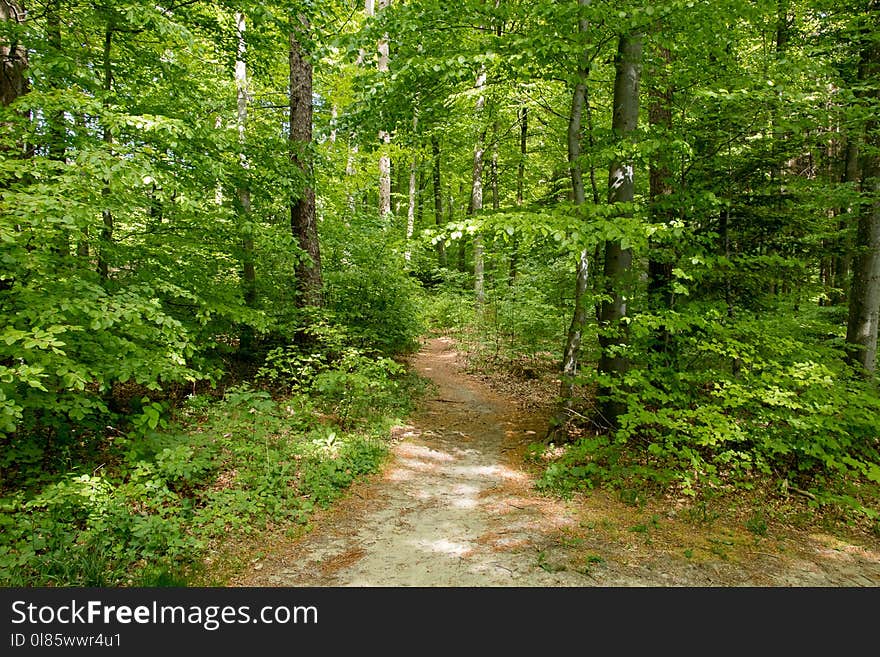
point(370, 294)
point(175, 485)
point(754, 397)
point(126, 239)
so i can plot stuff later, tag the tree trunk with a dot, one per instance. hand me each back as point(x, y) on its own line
point(13, 82)
point(309, 282)
point(411, 207)
point(384, 135)
point(842, 259)
point(613, 333)
point(53, 37)
point(782, 26)
point(106, 214)
point(249, 274)
point(572, 350)
point(349, 174)
point(438, 200)
point(476, 203)
point(520, 187)
point(493, 168)
point(57, 131)
point(659, 175)
point(864, 304)
point(421, 188)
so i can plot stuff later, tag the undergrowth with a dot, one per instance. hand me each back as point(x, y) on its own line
point(145, 508)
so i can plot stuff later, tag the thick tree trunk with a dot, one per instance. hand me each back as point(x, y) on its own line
point(613, 334)
point(438, 200)
point(13, 57)
point(13, 82)
point(783, 27)
point(864, 304)
point(309, 282)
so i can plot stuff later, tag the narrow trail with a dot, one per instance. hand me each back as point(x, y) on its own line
point(454, 508)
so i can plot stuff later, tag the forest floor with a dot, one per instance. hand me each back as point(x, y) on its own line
point(456, 506)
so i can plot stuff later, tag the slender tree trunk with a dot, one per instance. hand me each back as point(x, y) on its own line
point(842, 259)
point(613, 334)
point(411, 207)
point(57, 130)
point(438, 200)
point(106, 215)
point(462, 241)
point(572, 350)
point(476, 203)
point(659, 175)
point(520, 189)
point(398, 187)
point(53, 37)
point(493, 167)
point(864, 303)
point(309, 282)
point(384, 135)
point(724, 245)
point(421, 189)
point(249, 274)
point(82, 246)
point(349, 174)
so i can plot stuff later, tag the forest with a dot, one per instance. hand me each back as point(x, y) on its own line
point(226, 224)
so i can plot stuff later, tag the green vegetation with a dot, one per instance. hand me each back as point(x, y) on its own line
point(143, 509)
point(223, 223)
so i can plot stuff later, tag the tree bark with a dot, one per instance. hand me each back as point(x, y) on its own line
point(384, 135)
point(493, 168)
point(613, 333)
point(106, 214)
point(659, 264)
point(14, 56)
point(53, 37)
point(438, 200)
point(520, 187)
point(842, 259)
point(309, 282)
point(411, 207)
point(783, 27)
point(572, 349)
point(864, 305)
point(476, 203)
point(249, 274)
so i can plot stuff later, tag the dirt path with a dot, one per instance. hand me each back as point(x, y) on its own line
point(455, 507)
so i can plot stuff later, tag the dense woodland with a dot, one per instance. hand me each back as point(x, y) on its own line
point(224, 223)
